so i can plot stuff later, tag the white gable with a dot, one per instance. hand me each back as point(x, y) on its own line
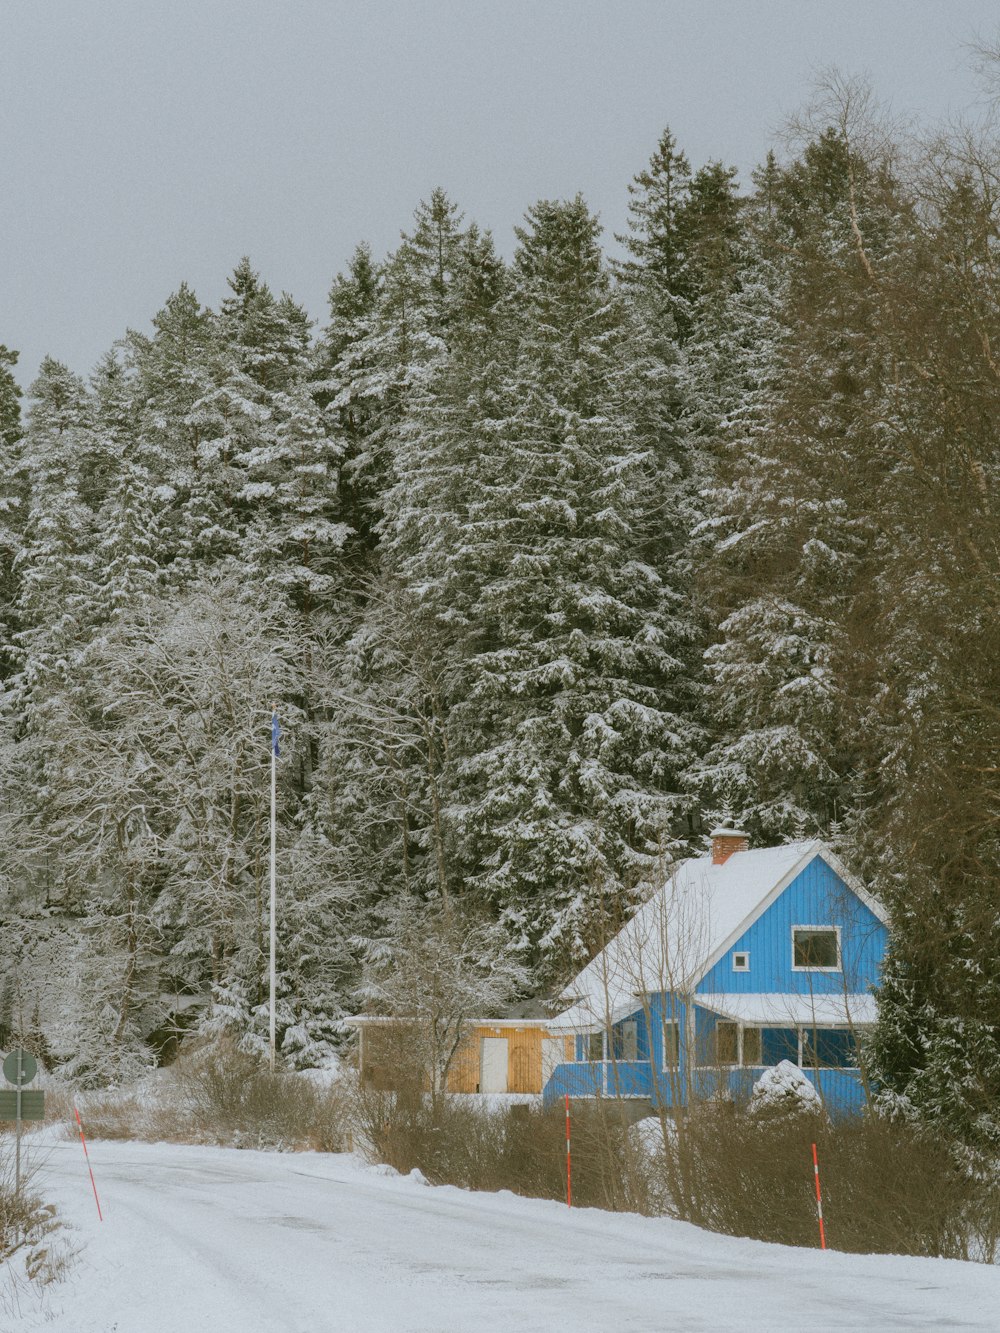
point(675, 937)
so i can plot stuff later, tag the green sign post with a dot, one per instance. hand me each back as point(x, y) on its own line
point(19, 1068)
point(32, 1105)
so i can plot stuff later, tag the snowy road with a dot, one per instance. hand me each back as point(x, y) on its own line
point(245, 1242)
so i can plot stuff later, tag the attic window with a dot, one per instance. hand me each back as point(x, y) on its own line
point(741, 962)
point(815, 948)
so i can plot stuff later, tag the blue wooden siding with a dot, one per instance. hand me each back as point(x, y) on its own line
point(603, 1078)
point(815, 897)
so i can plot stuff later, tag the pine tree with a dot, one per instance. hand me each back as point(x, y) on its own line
point(574, 722)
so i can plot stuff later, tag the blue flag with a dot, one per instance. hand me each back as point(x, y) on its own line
point(275, 734)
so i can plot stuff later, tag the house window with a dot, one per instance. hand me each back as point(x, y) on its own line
point(751, 1046)
point(816, 948)
point(626, 1041)
point(828, 1048)
point(779, 1044)
point(741, 962)
point(727, 1043)
point(671, 1045)
point(593, 1046)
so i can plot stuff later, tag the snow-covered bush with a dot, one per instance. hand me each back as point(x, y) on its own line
point(784, 1090)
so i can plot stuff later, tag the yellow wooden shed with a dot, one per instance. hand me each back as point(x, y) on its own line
point(495, 1054)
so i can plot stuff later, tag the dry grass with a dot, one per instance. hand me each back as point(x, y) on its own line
point(217, 1094)
point(33, 1246)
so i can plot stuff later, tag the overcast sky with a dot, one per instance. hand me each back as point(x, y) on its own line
point(145, 142)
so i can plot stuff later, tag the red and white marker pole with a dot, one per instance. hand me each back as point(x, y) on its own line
point(819, 1200)
point(86, 1154)
point(569, 1161)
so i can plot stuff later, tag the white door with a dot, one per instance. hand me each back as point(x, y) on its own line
point(493, 1064)
point(553, 1053)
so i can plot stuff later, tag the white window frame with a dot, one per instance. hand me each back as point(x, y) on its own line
point(629, 1027)
point(588, 1059)
point(827, 927)
point(675, 1024)
point(745, 955)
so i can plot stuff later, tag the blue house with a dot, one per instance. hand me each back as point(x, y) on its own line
point(742, 959)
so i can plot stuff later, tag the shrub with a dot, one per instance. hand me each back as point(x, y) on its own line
point(459, 1141)
point(216, 1093)
point(887, 1188)
point(228, 1097)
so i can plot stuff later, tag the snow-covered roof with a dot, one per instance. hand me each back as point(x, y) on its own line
point(685, 927)
point(587, 1017)
point(773, 1010)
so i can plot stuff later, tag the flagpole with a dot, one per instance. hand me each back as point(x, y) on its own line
point(274, 746)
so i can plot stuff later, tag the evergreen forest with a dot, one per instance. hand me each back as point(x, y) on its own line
point(548, 563)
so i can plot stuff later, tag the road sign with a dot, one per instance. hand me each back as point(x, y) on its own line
point(32, 1105)
point(28, 1067)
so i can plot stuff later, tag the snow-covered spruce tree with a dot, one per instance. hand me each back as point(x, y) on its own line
point(573, 725)
point(128, 549)
point(383, 753)
point(13, 493)
point(343, 389)
point(419, 625)
point(442, 481)
point(654, 269)
point(173, 374)
point(263, 357)
point(55, 559)
point(385, 336)
point(296, 538)
point(10, 397)
point(711, 228)
point(243, 361)
point(792, 517)
point(55, 604)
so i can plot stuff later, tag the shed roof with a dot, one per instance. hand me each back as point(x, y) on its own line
point(686, 926)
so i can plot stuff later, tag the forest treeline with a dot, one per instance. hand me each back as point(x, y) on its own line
point(547, 564)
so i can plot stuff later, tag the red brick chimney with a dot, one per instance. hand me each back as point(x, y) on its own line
point(725, 841)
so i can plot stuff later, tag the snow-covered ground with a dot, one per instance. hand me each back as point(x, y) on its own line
point(250, 1242)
